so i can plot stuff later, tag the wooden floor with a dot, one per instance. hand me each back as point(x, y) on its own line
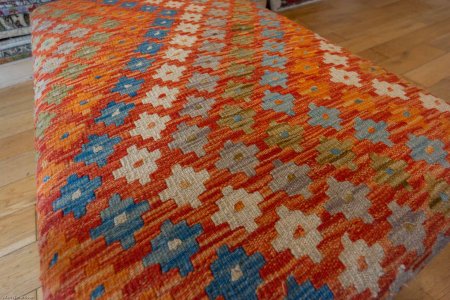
point(408, 37)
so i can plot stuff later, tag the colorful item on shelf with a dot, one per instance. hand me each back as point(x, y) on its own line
point(15, 28)
point(15, 48)
point(204, 149)
point(12, 7)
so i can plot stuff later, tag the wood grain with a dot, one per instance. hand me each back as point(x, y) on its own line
point(17, 144)
point(18, 167)
point(432, 72)
point(17, 230)
point(17, 195)
point(20, 271)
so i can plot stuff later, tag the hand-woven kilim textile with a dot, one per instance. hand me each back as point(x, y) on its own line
point(212, 149)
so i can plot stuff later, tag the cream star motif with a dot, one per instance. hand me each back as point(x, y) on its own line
point(333, 59)
point(238, 208)
point(138, 164)
point(217, 12)
point(150, 126)
point(393, 90)
point(174, 4)
point(39, 88)
point(187, 27)
point(177, 54)
point(183, 40)
point(35, 42)
point(61, 28)
point(429, 101)
point(44, 25)
point(184, 186)
point(66, 48)
point(35, 23)
point(362, 265)
point(169, 72)
point(222, 4)
point(194, 7)
point(191, 17)
point(305, 244)
point(79, 32)
point(38, 61)
point(51, 64)
point(345, 77)
point(329, 47)
point(48, 43)
point(161, 96)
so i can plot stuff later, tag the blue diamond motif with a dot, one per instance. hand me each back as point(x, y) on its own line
point(168, 12)
point(128, 4)
point(373, 131)
point(279, 102)
point(274, 79)
point(324, 116)
point(76, 194)
point(156, 33)
point(149, 8)
point(97, 292)
point(236, 275)
point(97, 150)
point(149, 48)
point(272, 33)
point(115, 113)
point(307, 291)
point(274, 61)
point(139, 64)
point(162, 22)
point(270, 22)
point(273, 46)
point(431, 151)
point(174, 246)
point(128, 86)
point(120, 221)
point(54, 260)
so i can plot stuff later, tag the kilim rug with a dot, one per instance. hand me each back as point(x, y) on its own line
point(213, 149)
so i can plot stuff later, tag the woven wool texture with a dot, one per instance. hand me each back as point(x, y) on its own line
point(213, 149)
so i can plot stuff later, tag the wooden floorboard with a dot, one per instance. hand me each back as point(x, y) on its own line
point(18, 230)
point(17, 195)
point(17, 144)
point(408, 37)
point(431, 72)
point(19, 271)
